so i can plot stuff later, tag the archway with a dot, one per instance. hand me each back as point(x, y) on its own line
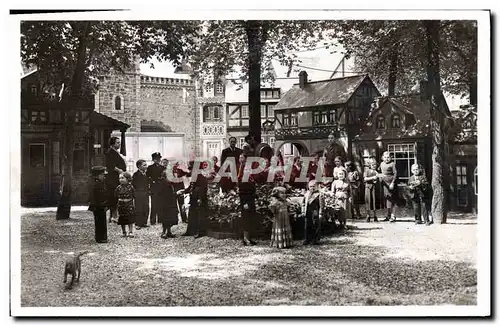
point(293, 148)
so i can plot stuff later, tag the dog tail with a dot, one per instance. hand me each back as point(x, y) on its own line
point(82, 253)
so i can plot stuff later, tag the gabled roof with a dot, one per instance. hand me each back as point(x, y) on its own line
point(406, 104)
point(324, 92)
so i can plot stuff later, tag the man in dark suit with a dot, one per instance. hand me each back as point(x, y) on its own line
point(234, 152)
point(154, 173)
point(115, 165)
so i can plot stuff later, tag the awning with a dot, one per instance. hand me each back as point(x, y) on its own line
point(101, 120)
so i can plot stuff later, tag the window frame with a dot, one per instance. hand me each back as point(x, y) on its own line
point(44, 163)
point(380, 120)
point(393, 149)
point(396, 117)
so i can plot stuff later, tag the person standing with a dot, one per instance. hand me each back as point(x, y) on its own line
point(370, 179)
point(354, 179)
point(281, 236)
point(419, 194)
point(312, 210)
point(179, 173)
point(388, 177)
point(154, 174)
point(141, 185)
point(115, 165)
point(233, 152)
point(167, 214)
point(247, 192)
point(126, 207)
point(99, 203)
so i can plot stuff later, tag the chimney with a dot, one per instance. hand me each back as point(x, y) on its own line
point(302, 79)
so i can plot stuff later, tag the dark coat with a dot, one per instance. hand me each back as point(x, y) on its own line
point(168, 206)
point(154, 174)
point(114, 160)
point(420, 190)
point(140, 181)
point(228, 152)
point(98, 199)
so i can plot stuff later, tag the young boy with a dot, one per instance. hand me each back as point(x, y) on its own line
point(312, 210)
point(99, 203)
point(419, 194)
point(140, 182)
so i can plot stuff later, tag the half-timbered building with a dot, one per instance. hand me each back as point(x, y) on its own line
point(42, 134)
point(310, 111)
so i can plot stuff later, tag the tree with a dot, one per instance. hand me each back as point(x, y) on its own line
point(76, 53)
point(245, 48)
point(432, 34)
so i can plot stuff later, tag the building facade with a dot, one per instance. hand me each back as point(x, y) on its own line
point(42, 134)
point(162, 113)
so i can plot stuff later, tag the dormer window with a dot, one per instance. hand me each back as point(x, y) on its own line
point(380, 123)
point(219, 88)
point(396, 121)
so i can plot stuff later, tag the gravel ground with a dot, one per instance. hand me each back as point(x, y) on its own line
point(368, 264)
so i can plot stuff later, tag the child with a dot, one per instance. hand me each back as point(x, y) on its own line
point(164, 163)
point(282, 231)
point(99, 203)
point(126, 209)
point(341, 193)
point(370, 179)
point(388, 179)
point(354, 180)
point(168, 208)
point(337, 168)
point(419, 194)
point(140, 182)
point(312, 210)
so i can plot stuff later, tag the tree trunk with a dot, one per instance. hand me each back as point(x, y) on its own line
point(64, 206)
point(438, 208)
point(473, 91)
point(393, 70)
point(252, 29)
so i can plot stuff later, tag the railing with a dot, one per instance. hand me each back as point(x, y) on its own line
point(315, 132)
point(213, 129)
point(166, 81)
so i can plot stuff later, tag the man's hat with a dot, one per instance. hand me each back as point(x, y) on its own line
point(156, 155)
point(96, 170)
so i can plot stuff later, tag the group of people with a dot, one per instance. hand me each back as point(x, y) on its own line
point(127, 196)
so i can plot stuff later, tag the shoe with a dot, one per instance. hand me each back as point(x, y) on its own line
point(170, 235)
point(196, 236)
point(419, 222)
point(137, 227)
point(428, 223)
point(386, 219)
point(131, 235)
point(253, 243)
point(305, 243)
point(144, 226)
point(375, 219)
point(163, 236)
point(368, 219)
point(124, 235)
point(102, 241)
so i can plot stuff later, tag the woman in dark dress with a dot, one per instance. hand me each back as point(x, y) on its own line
point(168, 208)
point(115, 165)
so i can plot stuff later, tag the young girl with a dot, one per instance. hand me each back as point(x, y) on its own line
point(341, 192)
point(354, 180)
point(125, 194)
point(282, 231)
point(370, 180)
point(168, 208)
point(337, 168)
point(419, 194)
point(388, 179)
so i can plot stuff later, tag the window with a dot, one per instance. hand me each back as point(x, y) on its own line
point(290, 120)
point(219, 88)
point(270, 110)
point(242, 142)
point(234, 112)
point(396, 121)
point(404, 157)
point(200, 91)
point(269, 93)
point(37, 155)
point(461, 172)
point(288, 149)
point(79, 157)
point(380, 122)
point(323, 117)
point(38, 116)
point(276, 93)
point(263, 111)
point(244, 111)
point(118, 103)
point(208, 88)
point(212, 113)
point(33, 89)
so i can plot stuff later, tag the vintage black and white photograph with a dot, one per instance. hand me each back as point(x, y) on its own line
point(265, 160)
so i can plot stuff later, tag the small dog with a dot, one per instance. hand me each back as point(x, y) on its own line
point(72, 266)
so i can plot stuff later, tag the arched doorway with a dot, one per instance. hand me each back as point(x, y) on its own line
point(293, 149)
